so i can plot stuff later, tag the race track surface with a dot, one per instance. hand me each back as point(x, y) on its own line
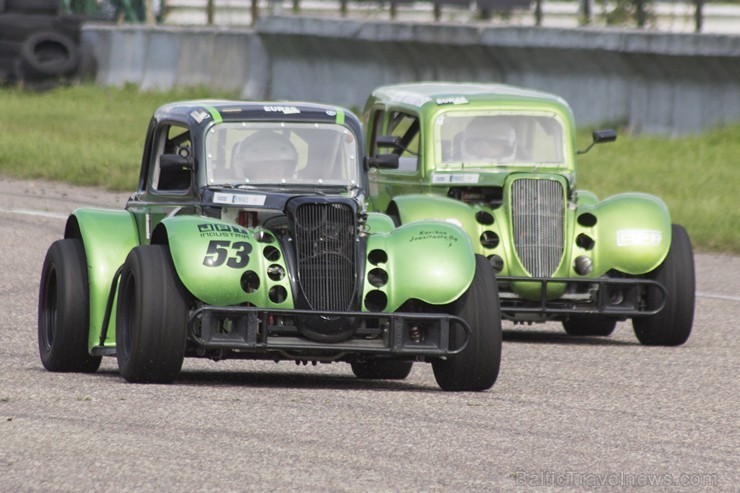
point(567, 414)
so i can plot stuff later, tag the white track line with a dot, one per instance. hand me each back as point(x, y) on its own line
point(52, 215)
point(723, 297)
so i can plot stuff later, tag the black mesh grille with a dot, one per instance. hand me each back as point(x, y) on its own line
point(538, 211)
point(325, 252)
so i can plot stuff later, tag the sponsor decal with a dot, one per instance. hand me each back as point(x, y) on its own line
point(285, 110)
point(639, 237)
point(209, 230)
point(456, 178)
point(410, 99)
point(199, 116)
point(452, 100)
point(238, 199)
point(434, 235)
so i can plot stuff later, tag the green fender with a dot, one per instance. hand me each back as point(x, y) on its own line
point(427, 260)
point(416, 207)
point(632, 233)
point(108, 237)
point(221, 263)
point(379, 223)
point(586, 197)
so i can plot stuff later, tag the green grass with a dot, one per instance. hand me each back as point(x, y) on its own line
point(697, 177)
point(86, 135)
point(89, 135)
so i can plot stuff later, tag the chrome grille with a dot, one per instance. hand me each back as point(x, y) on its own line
point(538, 211)
point(324, 235)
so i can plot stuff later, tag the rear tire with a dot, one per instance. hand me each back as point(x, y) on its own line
point(672, 325)
point(589, 326)
point(382, 370)
point(151, 317)
point(64, 310)
point(477, 366)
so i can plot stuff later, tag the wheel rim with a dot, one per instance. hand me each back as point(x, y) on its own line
point(49, 312)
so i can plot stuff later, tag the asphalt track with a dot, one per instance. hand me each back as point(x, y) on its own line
point(566, 414)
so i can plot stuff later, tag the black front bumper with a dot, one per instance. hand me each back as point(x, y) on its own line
point(261, 330)
point(605, 297)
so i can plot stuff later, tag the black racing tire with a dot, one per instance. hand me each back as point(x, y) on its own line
point(476, 368)
point(64, 310)
point(151, 317)
point(49, 53)
point(589, 326)
point(394, 214)
point(382, 369)
point(672, 325)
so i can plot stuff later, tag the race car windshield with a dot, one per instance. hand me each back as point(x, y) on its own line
point(281, 153)
point(470, 139)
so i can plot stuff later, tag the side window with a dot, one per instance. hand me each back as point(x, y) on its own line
point(171, 139)
point(406, 127)
point(376, 131)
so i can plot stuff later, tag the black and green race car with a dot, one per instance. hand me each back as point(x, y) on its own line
point(248, 237)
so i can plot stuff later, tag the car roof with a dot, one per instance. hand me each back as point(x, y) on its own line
point(423, 94)
point(203, 111)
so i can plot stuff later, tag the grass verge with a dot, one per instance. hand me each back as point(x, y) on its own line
point(697, 176)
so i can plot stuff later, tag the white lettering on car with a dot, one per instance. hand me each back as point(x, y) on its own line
point(639, 237)
point(285, 110)
point(238, 199)
point(452, 100)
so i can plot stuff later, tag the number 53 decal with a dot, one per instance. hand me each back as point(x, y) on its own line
point(219, 250)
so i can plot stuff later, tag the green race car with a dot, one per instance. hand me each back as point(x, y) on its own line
point(500, 162)
point(248, 237)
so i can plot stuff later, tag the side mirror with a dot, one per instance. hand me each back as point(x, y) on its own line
point(600, 137)
point(386, 161)
point(387, 141)
point(175, 162)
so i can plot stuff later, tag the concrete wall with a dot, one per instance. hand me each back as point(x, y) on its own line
point(164, 58)
point(655, 82)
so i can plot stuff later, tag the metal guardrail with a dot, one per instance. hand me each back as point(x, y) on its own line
point(673, 16)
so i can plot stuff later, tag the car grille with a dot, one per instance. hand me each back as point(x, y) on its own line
point(538, 211)
point(324, 235)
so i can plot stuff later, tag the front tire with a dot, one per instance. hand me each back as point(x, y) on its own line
point(64, 310)
point(477, 366)
point(672, 325)
point(382, 370)
point(151, 317)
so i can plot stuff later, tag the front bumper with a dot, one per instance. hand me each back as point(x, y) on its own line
point(605, 297)
point(254, 330)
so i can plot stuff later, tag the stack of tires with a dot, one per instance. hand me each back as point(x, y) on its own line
point(36, 42)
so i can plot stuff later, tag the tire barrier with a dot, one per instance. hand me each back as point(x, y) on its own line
point(38, 47)
point(37, 7)
point(49, 54)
